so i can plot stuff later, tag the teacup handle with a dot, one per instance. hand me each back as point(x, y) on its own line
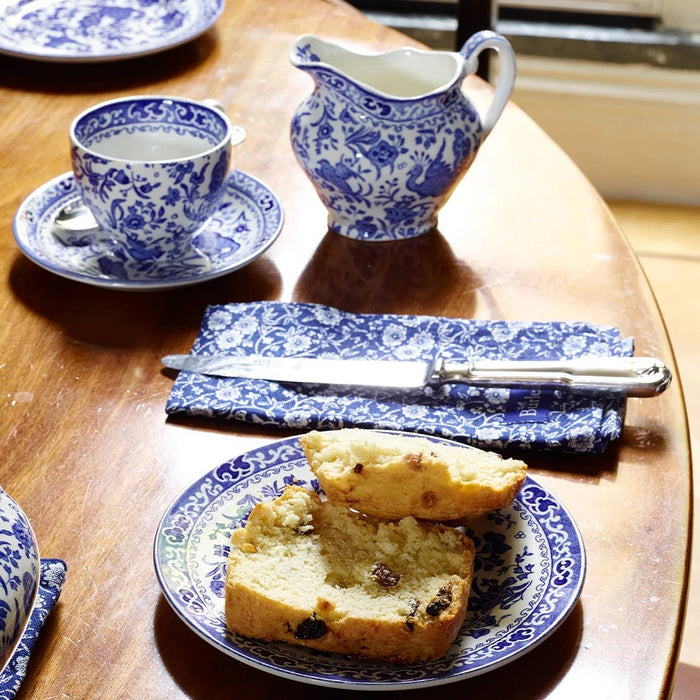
point(506, 74)
point(237, 132)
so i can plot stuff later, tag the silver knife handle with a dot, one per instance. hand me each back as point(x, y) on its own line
point(632, 376)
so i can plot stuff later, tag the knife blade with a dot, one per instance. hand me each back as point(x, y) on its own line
point(631, 376)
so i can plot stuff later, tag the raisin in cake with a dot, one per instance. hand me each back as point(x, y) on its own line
point(317, 574)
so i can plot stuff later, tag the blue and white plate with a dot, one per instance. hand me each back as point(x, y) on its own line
point(19, 575)
point(101, 30)
point(246, 224)
point(528, 575)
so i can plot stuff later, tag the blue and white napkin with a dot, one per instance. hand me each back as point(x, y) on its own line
point(51, 579)
point(491, 417)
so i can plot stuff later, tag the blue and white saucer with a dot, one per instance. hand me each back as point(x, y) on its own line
point(101, 30)
point(245, 225)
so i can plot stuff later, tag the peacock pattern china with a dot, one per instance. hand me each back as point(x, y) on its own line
point(529, 571)
point(151, 170)
point(494, 417)
point(19, 574)
point(385, 138)
point(98, 30)
point(246, 223)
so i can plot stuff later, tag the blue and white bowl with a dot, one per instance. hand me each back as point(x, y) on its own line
point(19, 575)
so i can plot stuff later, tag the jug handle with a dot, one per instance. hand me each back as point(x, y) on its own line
point(506, 75)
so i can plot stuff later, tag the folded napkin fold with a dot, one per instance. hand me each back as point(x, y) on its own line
point(51, 579)
point(490, 417)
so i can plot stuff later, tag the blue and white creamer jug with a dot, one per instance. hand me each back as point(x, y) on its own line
point(384, 138)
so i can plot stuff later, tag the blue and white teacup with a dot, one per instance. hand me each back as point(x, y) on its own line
point(152, 170)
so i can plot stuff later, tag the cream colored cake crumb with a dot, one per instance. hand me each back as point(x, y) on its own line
point(391, 475)
point(318, 574)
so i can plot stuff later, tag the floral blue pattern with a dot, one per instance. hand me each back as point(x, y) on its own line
point(247, 222)
point(152, 171)
point(384, 164)
point(135, 115)
point(494, 418)
point(19, 574)
point(529, 571)
point(51, 580)
point(98, 30)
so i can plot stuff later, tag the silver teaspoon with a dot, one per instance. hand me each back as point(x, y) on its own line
point(75, 217)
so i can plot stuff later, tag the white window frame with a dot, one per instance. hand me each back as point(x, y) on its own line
point(681, 14)
point(650, 8)
point(674, 14)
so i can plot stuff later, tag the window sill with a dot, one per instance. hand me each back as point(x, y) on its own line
point(624, 104)
point(661, 48)
point(608, 44)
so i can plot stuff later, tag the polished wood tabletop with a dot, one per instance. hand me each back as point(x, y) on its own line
point(86, 447)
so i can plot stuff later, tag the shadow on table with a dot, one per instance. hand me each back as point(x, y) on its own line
point(223, 425)
point(595, 467)
point(122, 319)
point(591, 467)
point(28, 75)
point(417, 275)
point(193, 663)
point(651, 438)
point(687, 682)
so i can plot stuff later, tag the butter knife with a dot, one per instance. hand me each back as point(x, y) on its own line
point(631, 376)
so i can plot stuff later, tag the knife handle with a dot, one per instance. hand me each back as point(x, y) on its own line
point(631, 376)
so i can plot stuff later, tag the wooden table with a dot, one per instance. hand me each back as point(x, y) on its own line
point(89, 454)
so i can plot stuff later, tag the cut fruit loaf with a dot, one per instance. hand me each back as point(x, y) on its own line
point(391, 475)
point(317, 574)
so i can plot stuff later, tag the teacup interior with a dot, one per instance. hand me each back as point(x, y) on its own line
point(151, 145)
point(150, 129)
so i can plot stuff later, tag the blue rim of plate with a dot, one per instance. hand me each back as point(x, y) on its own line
point(529, 571)
point(248, 222)
point(112, 31)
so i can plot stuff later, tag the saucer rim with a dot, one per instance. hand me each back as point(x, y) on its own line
point(194, 31)
point(138, 285)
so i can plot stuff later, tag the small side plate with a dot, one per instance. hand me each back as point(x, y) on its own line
point(529, 571)
point(85, 31)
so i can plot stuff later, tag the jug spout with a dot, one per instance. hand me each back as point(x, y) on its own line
point(319, 58)
point(304, 54)
point(403, 74)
